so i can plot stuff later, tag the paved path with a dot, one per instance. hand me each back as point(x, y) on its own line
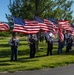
point(66, 70)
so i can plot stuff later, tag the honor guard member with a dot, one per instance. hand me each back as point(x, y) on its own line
point(32, 39)
point(13, 42)
point(69, 40)
point(49, 37)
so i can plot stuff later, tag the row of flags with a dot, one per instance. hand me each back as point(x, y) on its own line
point(46, 25)
point(34, 26)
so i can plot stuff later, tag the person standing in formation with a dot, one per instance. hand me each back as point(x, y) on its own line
point(49, 37)
point(32, 39)
point(69, 40)
point(13, 42)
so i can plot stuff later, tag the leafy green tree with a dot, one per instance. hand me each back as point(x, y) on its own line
point(26, 9)
point(63, 9)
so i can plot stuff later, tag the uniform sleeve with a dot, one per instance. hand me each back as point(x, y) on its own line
point(28, 38)
point(10, 42)
point(35, 38)
point(47, 36)
point(53, 36)
point(17, 40)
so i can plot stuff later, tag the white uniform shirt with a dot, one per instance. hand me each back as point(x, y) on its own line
point(16, 41)
point(34, 37)
point(49, 36)
point(67, 35)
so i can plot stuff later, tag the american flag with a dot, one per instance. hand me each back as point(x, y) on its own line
point(51, 26)
point(53, 20)
point(25, 26)
point(64, 24)
point(55, 24)
point(43, 26)
point(4, 27)
point(60, 34)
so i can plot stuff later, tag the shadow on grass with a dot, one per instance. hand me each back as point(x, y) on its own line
point(4, 45)
point(1, 61)
point(23, 39)
point(7, 53)
point(7, 45)
point(4, 53)
point(24, 52)
point(5, 64)
point(22, 60)
point(38, 56)
point(71, 52)
point(27, 59)
point(23, 44)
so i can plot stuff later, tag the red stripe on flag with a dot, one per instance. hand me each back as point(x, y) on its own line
point(51, 26)
point(4, 27)
point(43, 27)
point(64, 24)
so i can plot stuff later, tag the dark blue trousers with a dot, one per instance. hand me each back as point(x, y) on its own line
point(50, 47)
point(60, 46)
point(14, 54)
point(32, 50)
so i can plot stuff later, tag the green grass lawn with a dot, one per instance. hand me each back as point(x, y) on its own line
point(40, 61)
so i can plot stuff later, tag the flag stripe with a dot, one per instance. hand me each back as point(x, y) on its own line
point(4, 27)
point(64, 24)
point(51, 26)
point(41, 23)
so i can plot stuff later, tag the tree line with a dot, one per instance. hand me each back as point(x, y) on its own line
point(27, 9)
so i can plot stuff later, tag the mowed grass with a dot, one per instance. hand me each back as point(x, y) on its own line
point(40, 61)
